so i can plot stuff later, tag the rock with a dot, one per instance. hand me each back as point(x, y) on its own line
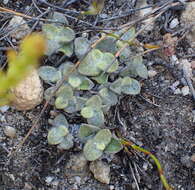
point(10, 131)
point(185, 90)
point(193, 64)
point(186, 161)
point(177, 91)
point(77, 163)
point(174, 86)
point(101, 171)
point(187, 66)
point(111, 187)
point(193, 158)
point(5, 2)
point(148, 23)
point(28, 93)
point(188, 18)
point(4, 108)
point(49, 179)
point(151, 73)
point(18, 27)
point(174, 23)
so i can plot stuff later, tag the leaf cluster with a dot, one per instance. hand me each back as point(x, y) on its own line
point(95, 85)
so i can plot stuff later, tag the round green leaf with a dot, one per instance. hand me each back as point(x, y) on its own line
point(95, 102)
point(86, 130)
point(97, 119)
point(56, 134)
point(108, 61)
point(114, 146)
point(108, 97)
point(60, 120)
point(48, 92)
point(66, 68)
point(107, 45)
point(101, 79)
point(67, 49)
point(65, 91)
point(94, 147)
point(88, 66)
point(74, 81)
point(87, 112)
point(82, 45)
point(49, 74)
point(130, 86)
point(86, 84)
point(91, 152)
point(103, 136)
point(61, 102)
point(67, 142)
point(116, 86)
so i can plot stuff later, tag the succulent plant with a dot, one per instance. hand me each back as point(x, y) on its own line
point(81, 46)
point(135, 68)
point(126, 85)
point(91, 88)
point(108, 45)
point(59, 133)
point(98, 143)
point(87, 130)
point(92, 111)
point(49, 74)
point(59, 38)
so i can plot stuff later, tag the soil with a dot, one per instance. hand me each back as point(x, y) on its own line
point(157, 119)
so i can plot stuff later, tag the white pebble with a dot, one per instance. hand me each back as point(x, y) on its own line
point(49, 179)
point(5, 2)
point(185, 90)
point(4, 108)
point(177, 91)
point(174, 23)
point(152, 73)
point(111, 187)
point(10, 131)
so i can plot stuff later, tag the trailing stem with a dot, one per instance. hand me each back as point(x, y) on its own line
point(154, 158)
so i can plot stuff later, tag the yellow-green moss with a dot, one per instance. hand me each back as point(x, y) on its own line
point(20, 64)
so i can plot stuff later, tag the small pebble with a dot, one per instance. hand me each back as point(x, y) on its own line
point(4, 108)
point(78, 179)
point(49, 179)
point(5, 2)
point(111, 187)
point(186, 161)
point(103, 16)
point(193, 64)
point(151, 73)
point(177, 91)
point(145, 166)
point(10, 131)
point(193, 158)
point(19, 27)
point(174, 23)
point(101, 171)
point(185, 90)
point(77, 163)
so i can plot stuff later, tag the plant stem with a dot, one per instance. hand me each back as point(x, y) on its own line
point(158, 165)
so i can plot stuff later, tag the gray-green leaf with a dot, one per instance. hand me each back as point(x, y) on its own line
point(114, 146)
point(81, 45)
point(56, 134)
point(49, 74)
